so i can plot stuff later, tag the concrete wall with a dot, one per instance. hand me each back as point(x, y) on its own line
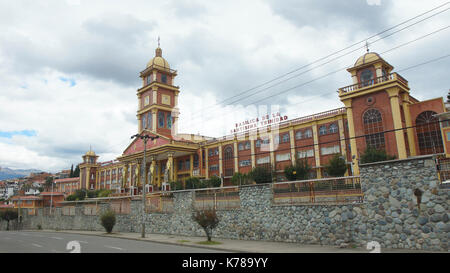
point(389, 214)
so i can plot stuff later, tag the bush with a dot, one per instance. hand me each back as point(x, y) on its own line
point(298, 171)
point(39, 226)
point(374, 155)
point(92, 194)
point(9, 215)
point(80, 194)
point(104, 193)
point(71, 197)
point(176, 186)
point(108, 220)
point(192, 183)
point(215, 182)
point(208, 220)
point(240, 179)
point(336, 166)
point(261, 175)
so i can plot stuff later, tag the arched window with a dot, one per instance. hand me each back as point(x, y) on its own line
point(169, 121)
point(298, 135)
point(161, 119)
point(323, 130)
point(429, 133)
point(373, 129)
point(144, 122)
point(228, 161)
point(332, 128)
point(366, 77)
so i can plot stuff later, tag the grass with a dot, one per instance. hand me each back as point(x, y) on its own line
point(209, 243)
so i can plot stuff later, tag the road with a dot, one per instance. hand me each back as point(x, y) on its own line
point(48, 242)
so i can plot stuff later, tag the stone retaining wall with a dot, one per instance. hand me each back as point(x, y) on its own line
point(389, 214)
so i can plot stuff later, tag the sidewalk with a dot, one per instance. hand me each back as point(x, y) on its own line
point(230, 245)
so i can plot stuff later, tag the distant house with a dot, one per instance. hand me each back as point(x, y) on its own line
point(67, 186)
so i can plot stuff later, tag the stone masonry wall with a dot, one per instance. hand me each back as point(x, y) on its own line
point(389, 214)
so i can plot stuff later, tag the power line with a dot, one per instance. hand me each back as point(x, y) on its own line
point(279, 77)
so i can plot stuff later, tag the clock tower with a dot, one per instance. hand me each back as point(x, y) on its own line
point(158, 98)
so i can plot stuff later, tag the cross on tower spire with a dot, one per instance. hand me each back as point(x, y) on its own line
point(367, 46)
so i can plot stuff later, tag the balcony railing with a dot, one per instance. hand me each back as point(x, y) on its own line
point(383, 79)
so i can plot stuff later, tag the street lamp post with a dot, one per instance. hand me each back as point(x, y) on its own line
point(145, 138)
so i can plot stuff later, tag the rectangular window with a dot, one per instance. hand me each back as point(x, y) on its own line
point(305, 153)
point(448, 136)
point(146, 100)
point(263, 160)
point(149, 79)
point(283, 157)
point(244, 163)
point(164, 78)
point(161, 119)
point(330, 150)
point(214, 167)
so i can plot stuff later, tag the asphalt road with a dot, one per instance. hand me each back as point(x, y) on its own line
point(48, 242)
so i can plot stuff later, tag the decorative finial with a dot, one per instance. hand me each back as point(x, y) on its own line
point(158, 40)
point(367, 46)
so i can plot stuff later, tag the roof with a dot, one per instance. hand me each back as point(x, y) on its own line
point(70, 179)
point(158, 60)
point(26, 198)
point(367, 58)
point(51, 193)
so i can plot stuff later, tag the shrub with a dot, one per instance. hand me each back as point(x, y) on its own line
point(92, 194)
point(80, 194)
point(207, 219)
point(176, 185)
point(374, 155)
point(71, 197)
point(298, 171)
point(108, 220)
point(39, 226)
point(240, 179)
point(215, 182)
point(9, 215)
point(104, 193)
point(336, 166)
point(261, 175)
point(192, 183)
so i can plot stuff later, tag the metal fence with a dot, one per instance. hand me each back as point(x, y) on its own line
point(162, 203)
point(328, 190)
point(443, 170)
point(218, 199)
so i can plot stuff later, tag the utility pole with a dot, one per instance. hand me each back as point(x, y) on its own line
point(145, 138)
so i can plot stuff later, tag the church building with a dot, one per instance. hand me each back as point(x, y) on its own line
point(376, 106)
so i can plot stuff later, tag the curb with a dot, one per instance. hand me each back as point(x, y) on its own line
point(146, 240)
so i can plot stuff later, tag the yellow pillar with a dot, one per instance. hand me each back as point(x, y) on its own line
point(316, 150)
point(88, 170)
point(409, 131)
point(252, 151)
point(351, 129)
point(396, 116)
point(207, 164)
point(342, 141)
point(170, 159)
point(191, 165)
point(236, 161)
point(292, 142)
point(220, 161)
point(272, 148)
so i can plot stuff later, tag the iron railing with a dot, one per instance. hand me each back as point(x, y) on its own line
point(217, 199)
point(328, 190)
point(391, 77)
point(162, 203)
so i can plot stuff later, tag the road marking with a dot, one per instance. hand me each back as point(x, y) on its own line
point(114, 247)
point(57, 238)
point(36, 245)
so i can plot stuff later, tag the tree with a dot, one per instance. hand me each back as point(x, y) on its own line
point(299, 171)
point(108, 220)
point(214, 181)
point(80, 194)
point(9, 215)
point(48, 182)
point(71, 171)
point(76, 173)
point(374, 155)
point(261, 174)
point(240, 179)
point(207, 219)
point(192, 183)
point(336, 166)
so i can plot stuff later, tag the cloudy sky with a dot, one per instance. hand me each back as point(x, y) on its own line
point(69, 69)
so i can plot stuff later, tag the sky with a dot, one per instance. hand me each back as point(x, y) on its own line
point(69, 70)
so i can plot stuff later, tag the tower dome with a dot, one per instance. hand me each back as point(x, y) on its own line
point(158, 60)
point(367, 58)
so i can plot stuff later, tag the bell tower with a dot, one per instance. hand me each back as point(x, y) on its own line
point(88, 170)
point(158, 97)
